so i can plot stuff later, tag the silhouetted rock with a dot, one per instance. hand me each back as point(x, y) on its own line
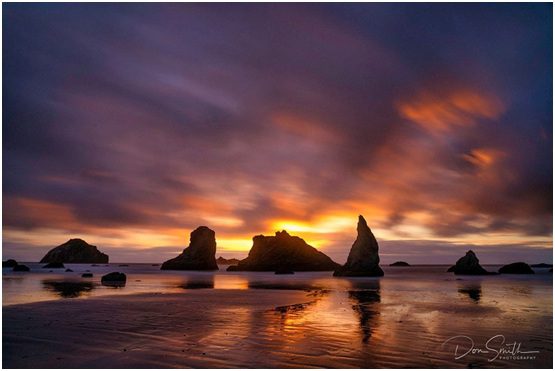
point(123, 265)
point(21, 268)
point(468, 265)
point(399, 264)
point(516, 268)
point(363, 260)
point(10, 263)
point(54, 265)
point(114, 279)
point(284, 271)
point(87, 275)
point(200, 255)
point(541, 265)
point(69, 270)
point(283, 252)
point(75, 251)
point(224, 261)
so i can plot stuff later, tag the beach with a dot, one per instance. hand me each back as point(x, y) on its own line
point(260, 320)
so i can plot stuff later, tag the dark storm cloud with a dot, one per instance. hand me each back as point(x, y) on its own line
point(160, 115)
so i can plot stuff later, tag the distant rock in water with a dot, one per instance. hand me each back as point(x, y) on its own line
point(21, 268)
point(54, 265)
point(284, 271)
point(224, 261)
point(399, 264)
point(363, 260)
point(87, 275)
point(516, 268)
point(10, 263)
point(541, 265)
point(69, 270)
point(114, 279)
point(200, 255)
point(75, 251)
point(468, 265)
point(283, 252)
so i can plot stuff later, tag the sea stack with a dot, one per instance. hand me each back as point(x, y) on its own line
point(10, 263)
point(75, 251)
point(199, 256)
point(468, 265)
point(516, 268)
point(283, 253)
point(363, 260)
point(399, 264)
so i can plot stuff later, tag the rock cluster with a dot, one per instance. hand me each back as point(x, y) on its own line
point(21, 268)
point(10, 263)
point(468, 265)
point(283, 253)
point(75, 251)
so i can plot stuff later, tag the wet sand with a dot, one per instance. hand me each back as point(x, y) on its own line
point(250, 329)
point(259, 320)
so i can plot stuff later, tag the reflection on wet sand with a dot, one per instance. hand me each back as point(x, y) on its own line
point(474, 292)
point(215, 282)
point(365, 301)
point(307, 320)
point(192, 284)
point(68, 289)
point(301, 286)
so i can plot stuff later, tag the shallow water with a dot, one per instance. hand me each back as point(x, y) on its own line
point(400, 320)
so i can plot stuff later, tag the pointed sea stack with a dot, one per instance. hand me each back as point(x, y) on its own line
point(363, 260)
point(75, 251)
point(283, 253)
point(468, 265)
point(199, 256)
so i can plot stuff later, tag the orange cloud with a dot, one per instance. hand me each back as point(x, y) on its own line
point(484, 157)
point(439, 113)
point(37, 213)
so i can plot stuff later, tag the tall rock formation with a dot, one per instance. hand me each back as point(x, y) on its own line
point(468, 265)
point(363, 260)
point(200, 255)
point(283, 252)
point(75, 251)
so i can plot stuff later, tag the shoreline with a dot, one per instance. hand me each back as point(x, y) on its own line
point(363, 326)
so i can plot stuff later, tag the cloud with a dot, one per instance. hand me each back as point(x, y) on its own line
point(140, 122)
point(442, 112)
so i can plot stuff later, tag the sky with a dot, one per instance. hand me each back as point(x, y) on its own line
point(129, 125)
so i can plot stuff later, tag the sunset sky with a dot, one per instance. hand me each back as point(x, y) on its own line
point(131, 125)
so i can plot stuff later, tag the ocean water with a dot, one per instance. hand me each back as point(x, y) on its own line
point(419, 316)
